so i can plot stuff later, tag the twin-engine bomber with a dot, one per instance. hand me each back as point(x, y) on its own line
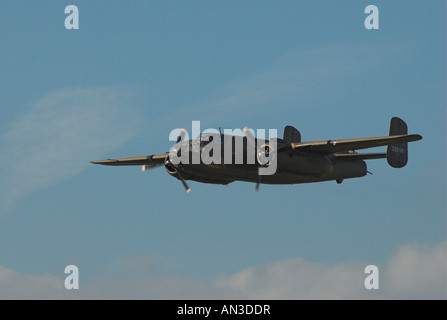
point(293, 161)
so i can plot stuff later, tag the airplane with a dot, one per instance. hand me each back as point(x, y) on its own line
point(296, 161)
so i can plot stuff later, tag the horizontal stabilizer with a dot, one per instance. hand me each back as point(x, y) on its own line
point(361, 156)
point(343, 145)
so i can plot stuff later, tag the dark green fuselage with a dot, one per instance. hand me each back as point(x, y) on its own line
point(292, 167)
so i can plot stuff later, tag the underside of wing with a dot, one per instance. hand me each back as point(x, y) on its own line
point(152, 161)
point(361, 156)
point(334, 146)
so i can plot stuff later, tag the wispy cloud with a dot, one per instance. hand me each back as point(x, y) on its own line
point(413, 272)
point(57, 135)
point(296, 80)
point(299, 79)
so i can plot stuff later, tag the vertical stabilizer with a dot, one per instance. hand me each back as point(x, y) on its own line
point(397, 154)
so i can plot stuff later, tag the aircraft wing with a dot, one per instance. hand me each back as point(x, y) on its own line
point(343, 145)
point(150, 162)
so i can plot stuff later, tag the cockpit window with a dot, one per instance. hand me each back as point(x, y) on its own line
point(194, 145)
point(205, 140)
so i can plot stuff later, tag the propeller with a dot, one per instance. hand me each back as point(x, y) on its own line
point(179, 139)
point(172, 170)
point(182, 135)
point(173, 167)
point(170, 167)
point(252, 140)
point(250, 137)
point(151, 166)
point(257, 183)
point(188, 189)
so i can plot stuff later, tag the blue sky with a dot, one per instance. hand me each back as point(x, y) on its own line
point(134, 71)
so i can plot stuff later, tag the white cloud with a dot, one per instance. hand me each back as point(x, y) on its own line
point(417, 271)
point(296, 279)
point(413, 272)
point(58, 134)
point(295, 80)
point(23, 286)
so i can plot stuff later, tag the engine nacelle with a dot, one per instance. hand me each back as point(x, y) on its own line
point(306, 164)
point(265, 155)
point(170, 168)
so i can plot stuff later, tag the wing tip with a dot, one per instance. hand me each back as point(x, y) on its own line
point(103, 161)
